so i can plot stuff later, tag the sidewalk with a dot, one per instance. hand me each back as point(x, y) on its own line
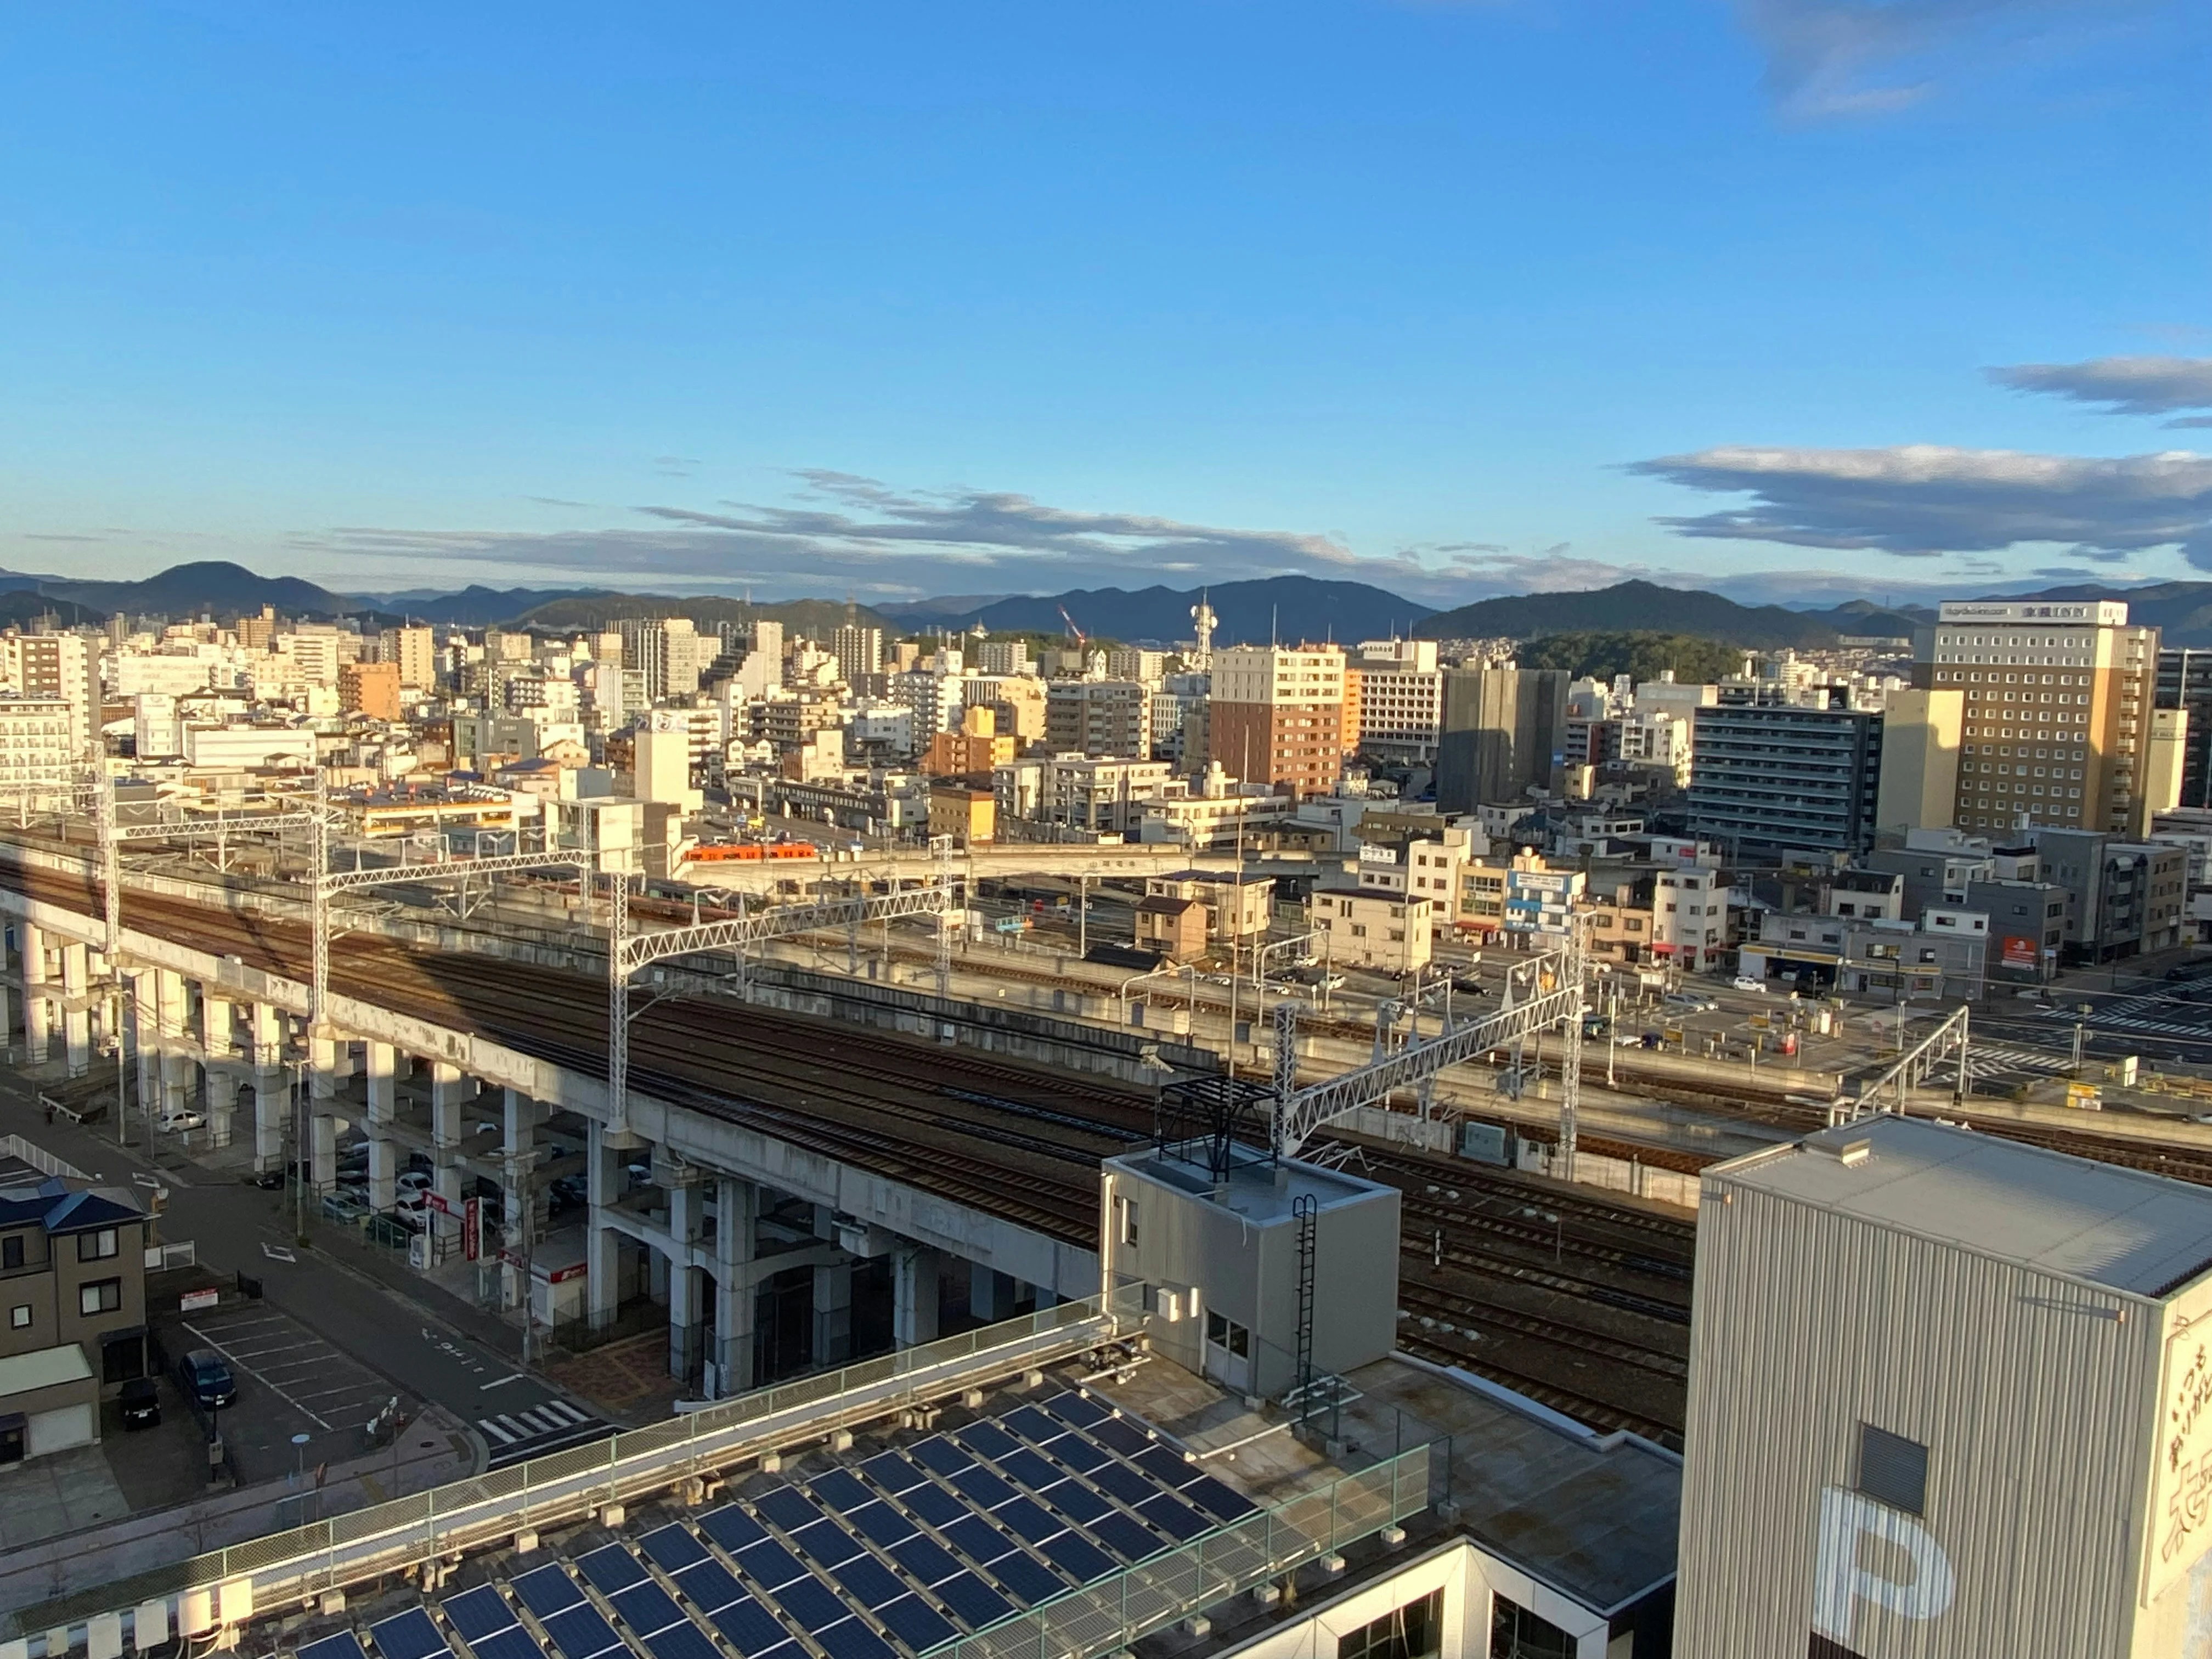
point(431, 1450)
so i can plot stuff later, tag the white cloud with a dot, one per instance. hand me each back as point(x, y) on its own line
point(1852, 58)
point(1918, 500)
point(2125, 385)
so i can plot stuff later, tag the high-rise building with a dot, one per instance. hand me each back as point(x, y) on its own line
point(858, 651)
point(1276, 716)
point(1395, 700)
point(1111, 718)
point(370, 689)
point(1920, 734)
point(416, 651)
point(63, 667)
point(2058, 698)
point(2184, 682)
point(1504, 730)
point(668, 651)
point(1768, 775)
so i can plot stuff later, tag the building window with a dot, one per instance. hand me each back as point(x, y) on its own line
point(1231, 1337)
point(100, 1295)
point(96, 1247)
point(1413, 1631)
point(1892, 1470)
point(1518, 1633)
point(19, 1316)
point(11, 1252)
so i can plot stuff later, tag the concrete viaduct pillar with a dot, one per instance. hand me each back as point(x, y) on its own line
point(38, 1014)
point(603, 1244)
point(917, 1294)
point(381, 1062)
point(522, 1205)
point(687, 1307)
point(219, 1071)
point(76, 1012)
point(737, 1219)
point(270, 1102)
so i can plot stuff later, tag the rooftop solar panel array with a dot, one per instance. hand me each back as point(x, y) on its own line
point(888, 1559)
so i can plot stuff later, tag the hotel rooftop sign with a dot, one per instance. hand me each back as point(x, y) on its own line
point(2095, 613)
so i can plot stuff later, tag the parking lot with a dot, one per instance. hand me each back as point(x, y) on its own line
point(289, 1381)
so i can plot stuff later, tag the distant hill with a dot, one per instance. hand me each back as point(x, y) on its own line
point(216, 586)
point(816, 618)
point(1633, 606)
point(476, 606)
point(21, 607)
point(1287, 608)
point(1640, 654)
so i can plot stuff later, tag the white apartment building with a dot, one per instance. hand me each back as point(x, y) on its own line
point(1080, 792)
point(1132, 662)
point(63, 667)
point(1395, 692)
point(936, 696)
point(1003, 657)
point(1657, 739)
point(1386, 932)
point(170, 671)
point(1689, 918)
point(249, 748)
point(36, 750)
point(314, 651)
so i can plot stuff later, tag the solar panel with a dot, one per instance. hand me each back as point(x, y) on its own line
point(936, 1506)
point(890, 1471)
point(851, 1639)
point(879, 1524)
point(409, 1635)
point(1026, 1521)
point(915, 1623)
point(940, 1455)
point(646, 1609)
point(1030, 1423)
point(789, 1648)
point(1026, 1580)
point(344, 1645)
point(975, 1602)
point(926, 1560)
point(710, 1585)
point(1175, 1517)
point(513, 1642)
point(980, 1487)
point(684, 1641)
point(1116, 1435)
point(1219, 1499)
point(1030, 1469)
point(1078, 1557)
point(672, 1548)
point(580, 1633)
point(546, 1589)
point(767, 1562)
point(841, 1490)
point(750, 1628)
point(811, 1605)
point(609, 1567)
point(731, 1527)
point(1079, 1409)
point(477, 1612)
point(788, 1508)
point(1119, 1481)
point(827, 1542)
point(1125, 1537)
point(867, 1582)
point(986, 1439)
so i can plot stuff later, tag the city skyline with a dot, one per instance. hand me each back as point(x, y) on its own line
point(1458, 300)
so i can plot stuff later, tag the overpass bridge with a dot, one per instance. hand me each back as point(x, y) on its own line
point(758, 1146)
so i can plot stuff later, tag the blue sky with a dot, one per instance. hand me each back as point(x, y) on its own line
point(1458, 297)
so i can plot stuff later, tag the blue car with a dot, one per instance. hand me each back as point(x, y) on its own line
point(205, 1379)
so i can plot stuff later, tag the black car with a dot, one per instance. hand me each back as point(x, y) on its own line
point(141, 1401)
point(205, 1379)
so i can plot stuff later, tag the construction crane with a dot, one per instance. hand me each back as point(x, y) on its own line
point(1073, 632)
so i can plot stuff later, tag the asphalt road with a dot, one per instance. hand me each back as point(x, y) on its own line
point(236, 1227)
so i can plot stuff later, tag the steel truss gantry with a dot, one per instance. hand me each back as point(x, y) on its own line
point(1300, 1113)
point(1910, 1070)
point(626, 952)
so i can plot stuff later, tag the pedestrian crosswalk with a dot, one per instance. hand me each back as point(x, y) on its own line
point(535, 1430)
point(1993, 1060)
point(2134, 1015)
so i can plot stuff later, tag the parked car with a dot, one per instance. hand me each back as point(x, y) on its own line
point(173, 1123)
point(267, 1180)
point(344, 1206)
point(1746, 982)
point(141, 1401)
point(416, 1181)
point(206, 1380)
point(1690, 1002)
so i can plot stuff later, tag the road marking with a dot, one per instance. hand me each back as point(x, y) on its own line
point(287, 1347)
point(278, 1253)
point(249, 1371)
point(501, 1381)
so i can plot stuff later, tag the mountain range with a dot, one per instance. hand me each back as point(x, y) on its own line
point(1289, 608)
